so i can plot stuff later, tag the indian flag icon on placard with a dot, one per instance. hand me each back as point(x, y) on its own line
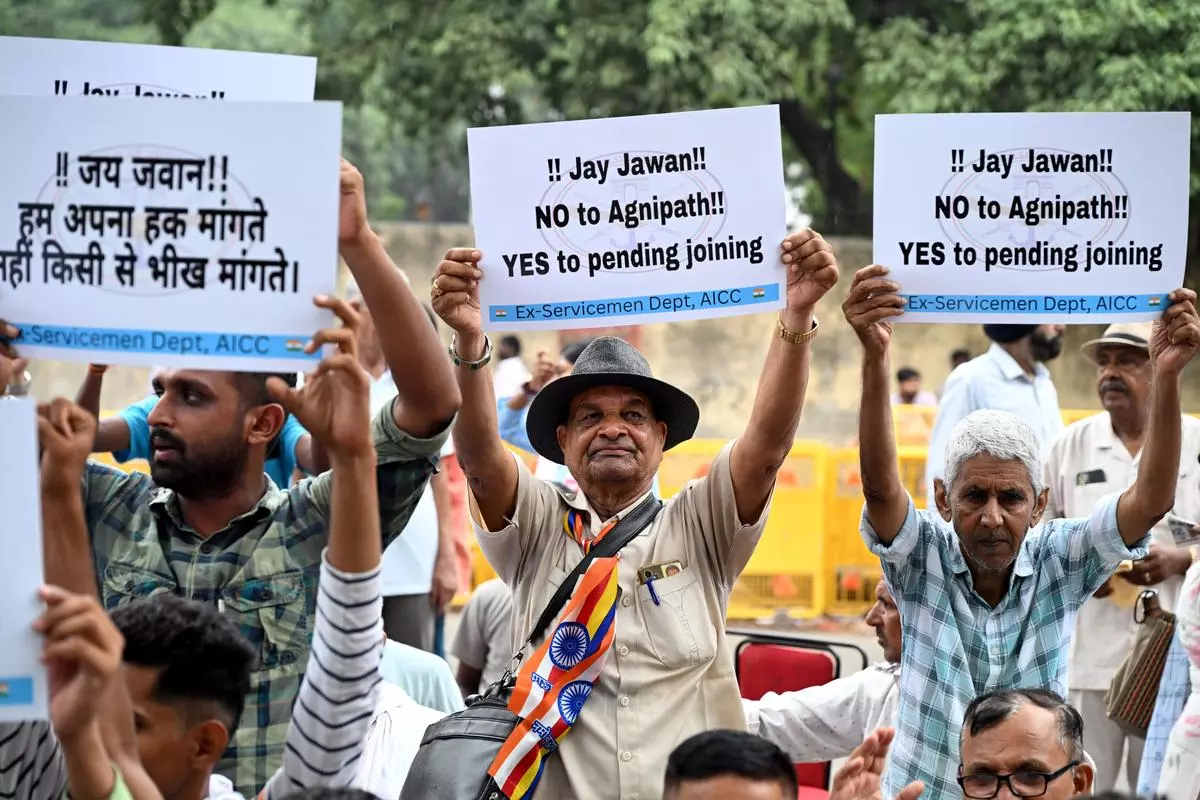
point(294, 345)
point(759, 293)
point(501, 313)
point(3, 690)
point(1154, 301)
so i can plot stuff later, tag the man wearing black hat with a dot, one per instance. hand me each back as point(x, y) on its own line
point(667, 672)
point(1010, 376)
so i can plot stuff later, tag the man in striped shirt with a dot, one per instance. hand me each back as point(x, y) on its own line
point(185, 715)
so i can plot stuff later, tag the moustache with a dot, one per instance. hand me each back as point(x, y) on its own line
point(1115, 385)
point(160, 438)
point(618, 445)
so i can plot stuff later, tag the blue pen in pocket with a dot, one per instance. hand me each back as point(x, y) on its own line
point(653, 594)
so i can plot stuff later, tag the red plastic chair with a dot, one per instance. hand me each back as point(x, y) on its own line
point(772, 663)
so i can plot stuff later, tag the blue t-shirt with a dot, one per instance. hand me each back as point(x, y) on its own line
point(280, 467)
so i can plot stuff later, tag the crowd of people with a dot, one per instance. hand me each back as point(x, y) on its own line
point(217, 629)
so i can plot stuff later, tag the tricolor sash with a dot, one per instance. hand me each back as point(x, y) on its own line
point(552, 686)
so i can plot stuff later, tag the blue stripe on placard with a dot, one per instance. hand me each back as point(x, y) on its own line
point(1050, 305)
point(139, 340)
point(16, 691)
point(636, 305)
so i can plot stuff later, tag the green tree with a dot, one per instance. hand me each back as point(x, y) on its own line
point(1028, 55)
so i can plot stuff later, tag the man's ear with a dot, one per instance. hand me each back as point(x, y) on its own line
point(209, 741)
point(941, 498)
point(1084, 777)
point(1039, 507)
point(267, 423)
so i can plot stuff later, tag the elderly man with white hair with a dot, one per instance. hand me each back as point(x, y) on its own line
point(987, 593)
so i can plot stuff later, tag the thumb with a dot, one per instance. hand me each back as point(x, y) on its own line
point(283, 394)
point(912, 791)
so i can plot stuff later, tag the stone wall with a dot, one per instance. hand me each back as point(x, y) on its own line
point(717, 361)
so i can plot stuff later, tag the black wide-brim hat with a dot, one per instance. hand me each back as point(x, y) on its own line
point(608, 361)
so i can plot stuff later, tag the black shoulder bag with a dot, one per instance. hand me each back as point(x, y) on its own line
point(457, 751)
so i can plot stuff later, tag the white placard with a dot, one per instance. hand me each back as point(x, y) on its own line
point(629, 220)
point(23, 687)
point(168, 231)
point(72, 69)
point(1063, 217)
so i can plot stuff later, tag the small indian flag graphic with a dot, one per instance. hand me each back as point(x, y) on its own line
point(1154, 301)
point(3, 690)
point(501, 313)
point(759, 293)
point(294, 345)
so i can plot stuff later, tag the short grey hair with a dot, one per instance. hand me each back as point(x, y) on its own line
point(1000, 434)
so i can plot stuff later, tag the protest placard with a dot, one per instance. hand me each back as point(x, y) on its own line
point(168, 231)
point(629, 220)
point(1056, 217)
point(23, 693)
point(110, 69)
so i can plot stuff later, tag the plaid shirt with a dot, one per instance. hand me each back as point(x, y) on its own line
point(957, 647)
point(261, 570)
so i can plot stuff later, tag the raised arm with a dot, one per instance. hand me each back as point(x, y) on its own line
point(490, 469)
point(767, 440)
point(870, 306)
point(1174, 342)
point(337, 696)
point(428, 396)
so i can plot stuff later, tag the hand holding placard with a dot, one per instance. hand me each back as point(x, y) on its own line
point(1176, 335)
point(873, 302)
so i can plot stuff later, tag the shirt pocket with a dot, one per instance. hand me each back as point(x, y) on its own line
point(272, 612)
point(678, 626)
point(124, 583)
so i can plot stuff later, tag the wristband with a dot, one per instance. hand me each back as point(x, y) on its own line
point(459, 361)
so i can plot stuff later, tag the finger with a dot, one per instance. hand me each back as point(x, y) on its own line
point(87, 625)
point(8, 331)
point(878, 315)
point(812, 263)
point(77, 650)
point(342, 362)
point(344, 311)
point(60, 414)
point(454, 283)
point(806, 249)
point(79, 420)
point(463, 256)
point(1183, 296)
point(59, 610)
point(285, 395)
point(48, 435)
point(912, 791)
point(342, 337)
point(867, 273)
point(867, 304)
point(450, 300)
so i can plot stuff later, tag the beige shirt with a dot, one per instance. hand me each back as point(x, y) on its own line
point(1086, 462)
point(669, 673)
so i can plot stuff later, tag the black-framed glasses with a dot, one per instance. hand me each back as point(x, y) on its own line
point(985, 785)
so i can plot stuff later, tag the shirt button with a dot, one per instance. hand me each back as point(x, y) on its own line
point(624, 701)
point(206, 549)
point(626, 600)
point(626, 756)
point(624, 650)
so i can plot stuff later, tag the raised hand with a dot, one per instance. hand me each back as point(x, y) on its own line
point(1176, 335)
point(860, 777)
point(352, 208)
point(66, 433)
point(82, 652)
point(812, 269)
point(873, 301)
point(544, 371)
point(455, 290)
point(334, 404)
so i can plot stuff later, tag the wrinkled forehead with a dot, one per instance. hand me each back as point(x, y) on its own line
point(988, 473)
point(1028, 739)
point(1122, 352)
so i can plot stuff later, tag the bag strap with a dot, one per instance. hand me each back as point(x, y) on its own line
point(622, 533)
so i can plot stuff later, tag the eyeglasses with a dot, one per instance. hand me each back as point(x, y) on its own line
point(985, 785)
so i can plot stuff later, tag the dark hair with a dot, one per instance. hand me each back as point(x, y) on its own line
point(323, 793)
point(960, 352)
point(721, 752)
point(513, 343)
point(201, 654)
point(990, 709)
point(906, 374)
point(571, 352)
point(252, 386)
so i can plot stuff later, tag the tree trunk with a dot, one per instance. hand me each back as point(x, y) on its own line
point(844, 196)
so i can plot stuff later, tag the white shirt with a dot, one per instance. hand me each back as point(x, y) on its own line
point(1085, 463)
point(392, 742)
point(509, 376)
point(825, 722)
point(996, 381)
point(408, 560)
point(484, 640)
